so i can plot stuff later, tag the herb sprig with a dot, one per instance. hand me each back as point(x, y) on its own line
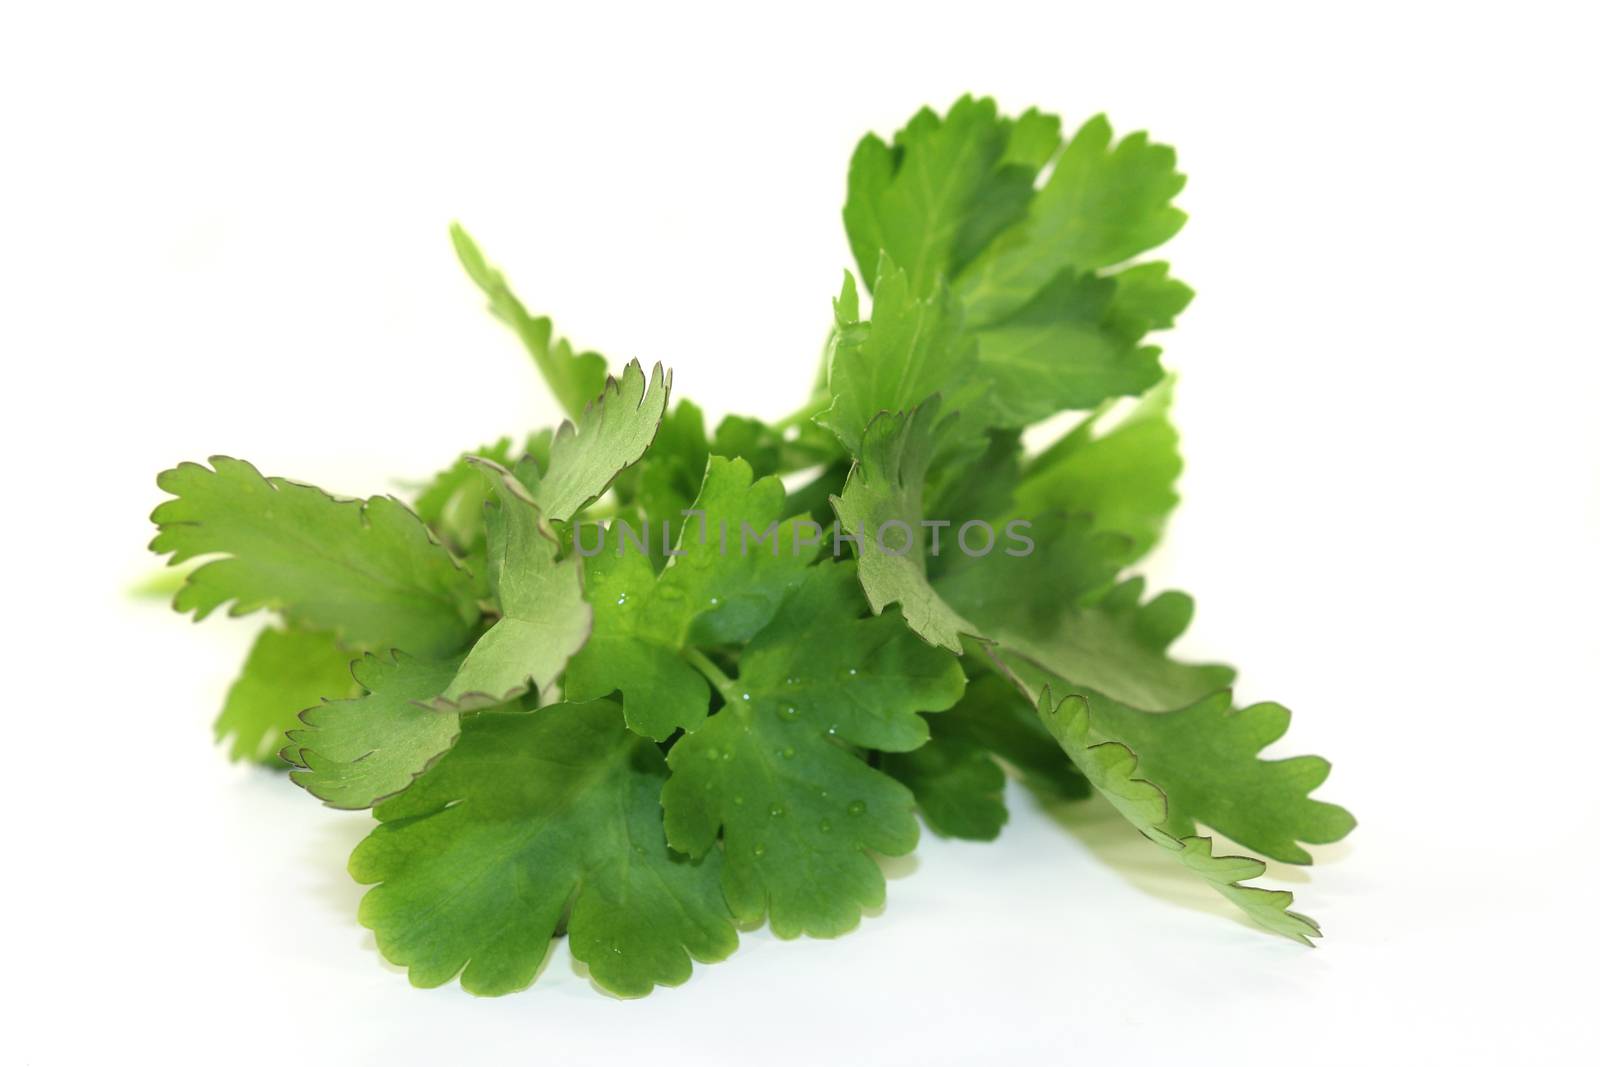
point(616, 681)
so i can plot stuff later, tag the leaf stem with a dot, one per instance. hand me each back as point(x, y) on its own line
point(702, 663)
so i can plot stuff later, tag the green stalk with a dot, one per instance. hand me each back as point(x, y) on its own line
point(724, 685)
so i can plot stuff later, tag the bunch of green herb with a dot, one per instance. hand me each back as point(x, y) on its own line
point(618, 681)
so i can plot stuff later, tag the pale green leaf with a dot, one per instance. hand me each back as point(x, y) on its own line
point(1180, 718)
point(354, 753)
point(882, 506)
point(544, 619)
point(367, 571)
point(575, 378)
point(609, 436)
point(287, 671)
point(1113, 769)
point(451, 503)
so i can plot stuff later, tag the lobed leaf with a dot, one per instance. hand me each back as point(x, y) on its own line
point(353, 753)
point(798, 811)
point(369, 571)
point(544, 619)
point(1069, 347)
point(1113, 769)
point(610, 436)
point(534, 816)
point(945, 187)
point(957, 777)
point(913, 348)
point(287, 670)
point(1102, 205)
point(1180, 718)
point(734, 565)
point(1124, 477)
point(574, 378)
point(882, 507)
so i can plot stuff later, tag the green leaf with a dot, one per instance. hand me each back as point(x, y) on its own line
point(959, 787)
point(287, 670)
point(543, 617)
point(882, 506)
point(532, 816)
point(1206, 758)
point(1118, 646)
point(1102, 205)
point(1070, 347)
point(914, 201)
point(945, 189)
point(913, 348)
point(367, 571)
point(735, 562)
point(751, 440)
point(452, 502)
point(1032, 568)
point(354, 753)
point(1180, 718)
point(995, 715)
point(1113, 769)
point(635, 648)
point(668, 478)
point(858, 677)
point(357, 752)
point(1032, 141)
point(1125, 477)
point(574, 379)
point(980, 486)
point(797, 809)
point(957, 776)
point(954, 201)
point(1149, 298)
point(610, 436)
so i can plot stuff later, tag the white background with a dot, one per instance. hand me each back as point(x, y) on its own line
point(225, 231)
